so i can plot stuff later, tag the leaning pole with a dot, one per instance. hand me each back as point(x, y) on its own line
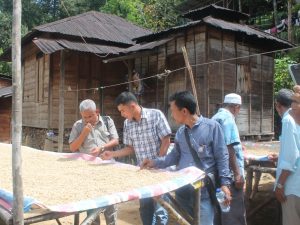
point(18, 218)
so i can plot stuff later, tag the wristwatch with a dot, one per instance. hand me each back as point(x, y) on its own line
point(279, 185)
point(102, 148)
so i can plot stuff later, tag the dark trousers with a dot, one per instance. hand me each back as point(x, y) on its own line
point(237, 213)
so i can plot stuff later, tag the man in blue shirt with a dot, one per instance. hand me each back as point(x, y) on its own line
point(226, 118)
point(207, 140)
point(287, 187)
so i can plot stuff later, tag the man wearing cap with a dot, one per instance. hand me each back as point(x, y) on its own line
point(226, 117)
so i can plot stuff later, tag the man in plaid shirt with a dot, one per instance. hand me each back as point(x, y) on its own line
point(147, 134)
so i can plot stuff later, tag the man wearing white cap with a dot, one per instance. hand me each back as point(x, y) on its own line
point(226, 117)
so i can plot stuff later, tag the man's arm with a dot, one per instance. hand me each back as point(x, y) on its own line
point(279, 190)
point(165, 143)
point(238, 179)
point(128, 150)
point(75, 145)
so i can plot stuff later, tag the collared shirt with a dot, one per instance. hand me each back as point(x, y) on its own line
point(289, 155)
point(98, 136)
point(207, 138)
point(145, 135)
point(231, 134)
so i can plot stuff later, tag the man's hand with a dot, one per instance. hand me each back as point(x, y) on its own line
point(107, 155)
point(273, 157)
point(239, 182)
point(227, 192)
point(87, 129)
point(279, 193)
point(95, 151)
point(146, 164)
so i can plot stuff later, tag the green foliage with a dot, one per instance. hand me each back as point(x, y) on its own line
point(282, 79)
point(162, 14)
point(131, 10)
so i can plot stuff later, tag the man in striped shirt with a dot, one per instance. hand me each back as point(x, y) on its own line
point(146, 134)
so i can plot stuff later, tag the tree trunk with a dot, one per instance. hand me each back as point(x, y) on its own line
point(290, 20)
point(240, 5)
point(17, 115)
point(275, 12)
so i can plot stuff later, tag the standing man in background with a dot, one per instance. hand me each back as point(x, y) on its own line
point(287, 186)
point(226, 118)
point(93, 134)
point(146, 134)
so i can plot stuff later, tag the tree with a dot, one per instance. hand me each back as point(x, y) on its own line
point(131, 10)
point(162, 14)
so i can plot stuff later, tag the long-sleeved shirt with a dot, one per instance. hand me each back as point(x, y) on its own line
point(207, 138)
point(289, 155)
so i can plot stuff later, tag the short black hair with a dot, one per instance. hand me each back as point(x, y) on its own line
point(184, 99)
point(125, 98)
point(284, 97)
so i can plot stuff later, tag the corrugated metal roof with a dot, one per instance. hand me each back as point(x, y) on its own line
point(96, 25)
point(224, 25)
point(145, 46)
point(217, 12)
point(242, 28)
point(48, 46)
point(6, 92)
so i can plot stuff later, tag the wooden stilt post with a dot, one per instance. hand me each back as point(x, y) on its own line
point(61, 102)
point(188, 66)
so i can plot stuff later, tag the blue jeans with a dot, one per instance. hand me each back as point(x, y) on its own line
point(152, 213)
point(185, 196)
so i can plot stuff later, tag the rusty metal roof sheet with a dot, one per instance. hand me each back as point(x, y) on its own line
point(48, 46)
point(6, 92)
point(145, 46)
point(96, 25)
point(241, 29)
point(217, 12)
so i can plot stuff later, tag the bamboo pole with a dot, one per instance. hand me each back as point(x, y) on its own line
point(188, 66)
point(18, 212)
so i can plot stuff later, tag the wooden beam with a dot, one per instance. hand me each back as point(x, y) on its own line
point(61, 102)
point(186, 59)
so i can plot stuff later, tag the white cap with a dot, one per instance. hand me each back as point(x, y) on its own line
point(233, 98)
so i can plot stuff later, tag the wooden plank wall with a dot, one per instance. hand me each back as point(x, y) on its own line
point(4, 82)
point(35, 91)
point(251, 77)
point(5, 119)
point(86, 71)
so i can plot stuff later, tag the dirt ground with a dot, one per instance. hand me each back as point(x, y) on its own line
point(270, 213)
point(128, 214)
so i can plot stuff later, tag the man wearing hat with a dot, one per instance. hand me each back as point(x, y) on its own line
point(226, 117)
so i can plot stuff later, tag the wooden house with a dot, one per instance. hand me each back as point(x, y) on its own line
point(93, 55)
point(226, 56)
point(61, 57)
point(5, 108)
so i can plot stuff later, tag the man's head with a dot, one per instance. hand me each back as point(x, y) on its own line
point(127, 105)
point(233, 103)
point(296, 101)
point(283, 101)
point(88, 111)
point(182, 105)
